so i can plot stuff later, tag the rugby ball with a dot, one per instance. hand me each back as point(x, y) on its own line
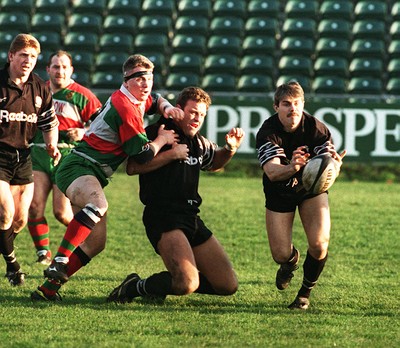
point(320, 173)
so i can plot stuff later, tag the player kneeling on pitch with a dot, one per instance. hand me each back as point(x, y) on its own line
point(195, 260)
point(286, 142)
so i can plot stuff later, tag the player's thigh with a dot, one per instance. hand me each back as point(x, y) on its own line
point(96, 241)
point(22, 195)
point(279, 230)
point(177, 255)
point(7, 208)
point(87, 189)
point(42, 188)
point(213, 262)
point(315, 217)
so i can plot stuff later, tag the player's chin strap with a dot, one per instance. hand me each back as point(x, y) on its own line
point(137, 74)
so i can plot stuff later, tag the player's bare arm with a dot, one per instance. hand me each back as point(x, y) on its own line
point(169, 111)
point(276, 171)
point(177, 152)
point(233, 140)
point(51, 139)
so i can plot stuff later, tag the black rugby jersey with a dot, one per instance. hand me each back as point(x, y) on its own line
point(22, 112)
point(273, 141)
point(175, 185)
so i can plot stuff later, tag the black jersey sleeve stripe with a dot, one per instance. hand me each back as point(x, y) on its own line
point(269, 151)
point(324, 148)
point(48, 120)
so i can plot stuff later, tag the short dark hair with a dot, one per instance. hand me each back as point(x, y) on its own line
point(289, 89)
point(22, 41)
point(193, 93)
point(136, 60)
point(59, 53)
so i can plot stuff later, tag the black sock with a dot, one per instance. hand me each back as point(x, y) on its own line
point(294, 257)
point(312, 269)
point(82, 256)
point(205, 286)
point(7, 249)
point(158, 284)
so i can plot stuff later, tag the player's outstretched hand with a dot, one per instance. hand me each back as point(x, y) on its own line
point(234, 138)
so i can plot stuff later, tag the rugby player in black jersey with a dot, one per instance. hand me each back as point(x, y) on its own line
point(26, 105)
point(284, 143)
point(195, 260)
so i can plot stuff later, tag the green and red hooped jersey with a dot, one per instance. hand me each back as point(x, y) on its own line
point(118, 130)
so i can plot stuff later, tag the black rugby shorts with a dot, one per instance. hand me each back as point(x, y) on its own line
point(158, 222)
point(15, 166)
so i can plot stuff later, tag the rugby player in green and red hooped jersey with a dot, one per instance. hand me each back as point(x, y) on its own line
point(75, 106)
point(26, 106)
point(116, 133)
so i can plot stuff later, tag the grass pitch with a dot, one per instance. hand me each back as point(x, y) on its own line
point(355, 304)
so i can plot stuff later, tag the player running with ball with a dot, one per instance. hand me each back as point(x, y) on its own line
point(284, 143)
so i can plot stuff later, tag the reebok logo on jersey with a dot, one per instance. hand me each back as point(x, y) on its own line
point(192, 161)
point(6, 116)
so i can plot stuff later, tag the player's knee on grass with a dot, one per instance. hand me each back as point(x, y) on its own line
point(184, 284)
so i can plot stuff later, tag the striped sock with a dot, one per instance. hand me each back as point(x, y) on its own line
point(39, 230)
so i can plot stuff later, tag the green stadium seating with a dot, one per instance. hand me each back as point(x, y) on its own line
point(84, 22)
point(179, 80)
point(158, 59)
point(331, 66)
point(42, 72)
point(155, 24)
point(109, 80)
point(226, 26)
point(263, 8)
point(297, 46)
point(114, 41)
point(335, 28)
point(186, 62)
point(110, 61)
point(10, 6)
point(82, 61)
point(365, 85)
point(395, 11)
point(43, 59)
point(219, 83)
point(52, 6)
point(82, 77)
point(257, 64)
point(369, 29)
point(301, 9)
point(221, 63)
point(3, 56)
point(15, 21)
point(336, 9)
point(81, 42)
point(291, 65)
point(258, 44)
point(261, 26)
point(123, 23)
point(329, 85)
point(150, 42)
point(234, 8)
point(299, 27)
point(88, 6)
point(189, 43)
point(372, 67)
point(393, 68)
point(370, 9)
point(6, 37)
point(50, 41)
point(329, 47)
point(195, 8)
point(394, 49)
point(255, 83)
point(51, 21)
point(158, 7)
point(191, 24)
point(368, 48)
point(393, 86)
point(224, 44)
point(123, 7)
point(394, 30)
